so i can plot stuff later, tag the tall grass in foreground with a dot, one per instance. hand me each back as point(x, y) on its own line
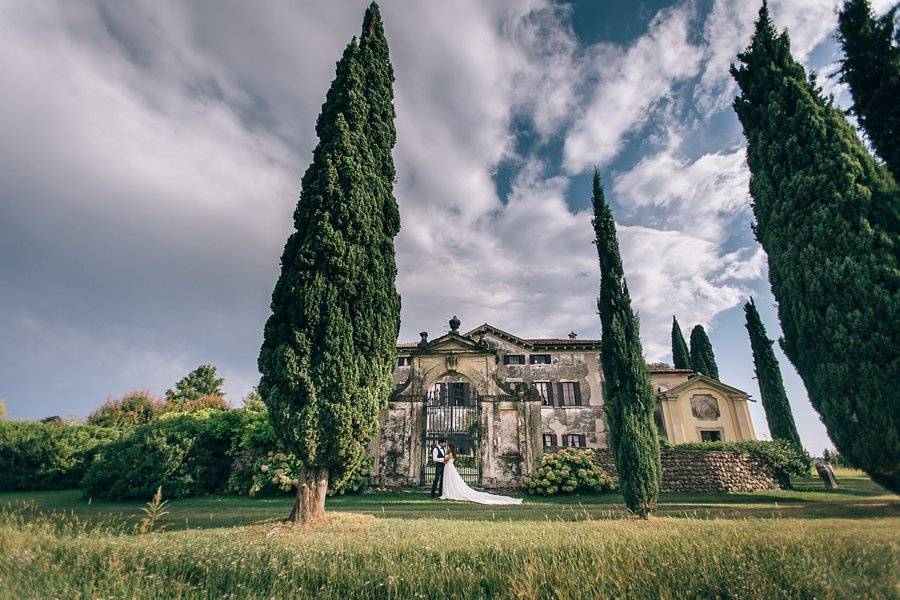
point(364, 557)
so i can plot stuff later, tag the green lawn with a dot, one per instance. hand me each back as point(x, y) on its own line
point(856, 498)
point(800, 543)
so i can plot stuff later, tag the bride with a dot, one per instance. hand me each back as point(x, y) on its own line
point(455, 488)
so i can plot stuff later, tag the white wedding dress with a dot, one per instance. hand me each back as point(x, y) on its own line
point(456, 489)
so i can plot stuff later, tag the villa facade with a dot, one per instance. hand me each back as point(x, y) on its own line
point(502, 400)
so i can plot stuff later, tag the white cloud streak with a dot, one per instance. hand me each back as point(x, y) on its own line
point(630, 83)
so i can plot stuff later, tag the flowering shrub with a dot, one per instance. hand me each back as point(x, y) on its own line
point(209, 401)
point(275, 473)
point(569, 471)
point(134, 408)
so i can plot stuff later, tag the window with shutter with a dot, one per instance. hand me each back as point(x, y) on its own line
point(574, 440)
point(543, 388)
point(577, 387)
point(549, 440)
point(567, 395)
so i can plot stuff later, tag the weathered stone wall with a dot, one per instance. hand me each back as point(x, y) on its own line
point(702, 471)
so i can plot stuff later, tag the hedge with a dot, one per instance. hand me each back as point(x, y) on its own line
point(51, 455)
point(188, 454)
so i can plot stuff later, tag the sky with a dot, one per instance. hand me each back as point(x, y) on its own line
point(152, 152)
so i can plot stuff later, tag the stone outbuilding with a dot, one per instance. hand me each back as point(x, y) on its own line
point(502, 400)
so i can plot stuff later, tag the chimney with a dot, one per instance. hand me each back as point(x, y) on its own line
point(573, 335)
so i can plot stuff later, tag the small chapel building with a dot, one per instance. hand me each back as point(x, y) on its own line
point(502, 400)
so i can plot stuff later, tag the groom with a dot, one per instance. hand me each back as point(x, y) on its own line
point(438, 456)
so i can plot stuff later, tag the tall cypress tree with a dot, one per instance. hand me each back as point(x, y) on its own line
point(768, 377)
point(630, 402)
point(703, 360)
point(379, 86)
point(681, 356)
point(328, 347)
point(871, 67)
point(827, 216)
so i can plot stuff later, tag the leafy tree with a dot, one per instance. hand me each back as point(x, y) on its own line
point(681, 356)
point(703, 360)
point(200, 382)
point(768, 376)
point(871, 67)
point(827, 216)
point(253, 401)
point(328, 349)
point(630, 403)
point(131, 409)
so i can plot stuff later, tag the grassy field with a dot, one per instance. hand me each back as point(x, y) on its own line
point(805, 543)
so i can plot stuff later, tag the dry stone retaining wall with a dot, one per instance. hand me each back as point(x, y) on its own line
point(707, 471)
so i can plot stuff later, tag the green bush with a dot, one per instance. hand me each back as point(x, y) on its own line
point(569, 471)
point(54, 455)
point(357, 481)
point(785, 460)
point(188, 454)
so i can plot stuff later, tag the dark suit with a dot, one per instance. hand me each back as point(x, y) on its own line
point(437, 487)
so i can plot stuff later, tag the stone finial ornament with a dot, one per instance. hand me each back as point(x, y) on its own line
point(573, 335)
point(454, 325)
point(424, 336)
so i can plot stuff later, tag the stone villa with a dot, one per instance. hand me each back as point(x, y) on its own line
point(501, 400)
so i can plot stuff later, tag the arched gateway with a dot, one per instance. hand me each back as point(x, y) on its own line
point(452, 413)
point(503, 400)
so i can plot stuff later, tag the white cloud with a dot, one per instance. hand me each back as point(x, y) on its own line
point(160, 149)
point(700, 197)
point(728, 30)
point(629, 83)
point(672, 272)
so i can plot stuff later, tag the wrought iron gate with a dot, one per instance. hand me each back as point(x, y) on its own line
point(452, 411)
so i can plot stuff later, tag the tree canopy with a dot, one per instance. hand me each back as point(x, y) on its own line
point(827, 216)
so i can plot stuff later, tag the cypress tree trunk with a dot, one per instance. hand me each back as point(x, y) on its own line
point(703, 360)
point(871, 67)
point(828, 217)
point(312, 489)
point(771, 385)
point(328, 347)
point(629, 401)
point(681, 356)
